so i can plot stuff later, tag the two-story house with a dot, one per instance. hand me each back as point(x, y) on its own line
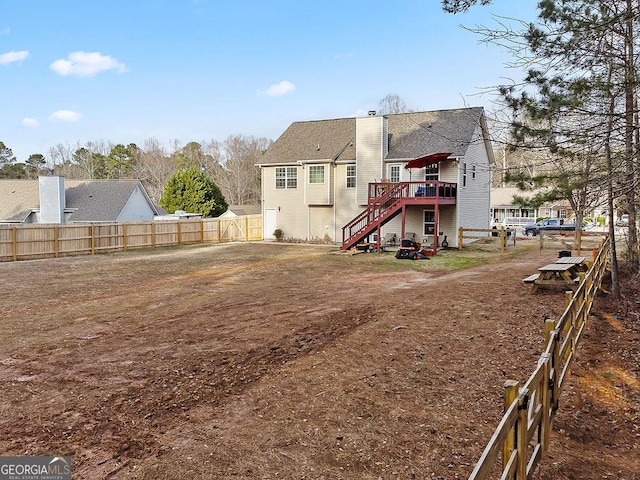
point(350, 180)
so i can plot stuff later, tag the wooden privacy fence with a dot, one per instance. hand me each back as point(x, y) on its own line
point(23, 242)
point(504, 235)
point(522, 436)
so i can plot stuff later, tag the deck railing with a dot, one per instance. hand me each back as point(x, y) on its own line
point(384, 200)
point(428, 189)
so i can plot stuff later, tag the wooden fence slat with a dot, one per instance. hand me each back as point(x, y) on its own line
point(22, 242)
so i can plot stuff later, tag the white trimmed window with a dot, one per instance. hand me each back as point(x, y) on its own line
point(286, 177)
point(394, 173)
point(431, 172)
point(464, 174)
point(473, 172)
point(429, 222)
point(316, 173)
point(351, 176)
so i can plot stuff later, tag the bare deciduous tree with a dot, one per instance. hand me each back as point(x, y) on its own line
point(393, 103)
point(238, 177)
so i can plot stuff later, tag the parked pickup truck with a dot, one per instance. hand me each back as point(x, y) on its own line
point(550, 224)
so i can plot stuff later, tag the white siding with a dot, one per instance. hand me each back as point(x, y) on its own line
point(52, 199)
point(319, 193)
point(136, 209)
point(474, 200)
point(448, 171)
point(370, 146)
point(345, 204)
point(289, 203)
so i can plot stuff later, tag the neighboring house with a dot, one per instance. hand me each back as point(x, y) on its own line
point(54, 200)
point(241, 210)
point(356, 179)
point(504, 211)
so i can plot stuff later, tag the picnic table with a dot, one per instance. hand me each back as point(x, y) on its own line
point(581, 263)
point(555, 274)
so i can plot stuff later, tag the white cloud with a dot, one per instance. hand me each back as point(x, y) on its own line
point(65, 116)
point(30, 122)
point(13, 56)
point(281, 88)
point(86, 64)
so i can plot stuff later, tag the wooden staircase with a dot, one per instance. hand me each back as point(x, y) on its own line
point(379, 211)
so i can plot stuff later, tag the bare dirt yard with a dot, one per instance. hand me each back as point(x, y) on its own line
point(265, 361)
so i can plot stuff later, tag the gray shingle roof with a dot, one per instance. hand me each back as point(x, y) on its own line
point(92, 200)
point(411, 135)
point(17, 199)
point(422, 133)
point(314, 140)
point(244, 209)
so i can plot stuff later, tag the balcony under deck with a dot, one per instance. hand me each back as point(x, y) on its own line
point(386, 200)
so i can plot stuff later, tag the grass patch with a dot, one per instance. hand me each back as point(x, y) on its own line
point(448, 260)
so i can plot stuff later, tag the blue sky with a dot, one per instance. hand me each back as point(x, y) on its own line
point(124, 71)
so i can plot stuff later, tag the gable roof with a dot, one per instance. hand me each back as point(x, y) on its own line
point(410, 135)
point(91, 200)
point(241, 210)
point(314, 140)
point(416, 134)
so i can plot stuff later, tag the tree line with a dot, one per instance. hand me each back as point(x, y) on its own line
point(217, 174)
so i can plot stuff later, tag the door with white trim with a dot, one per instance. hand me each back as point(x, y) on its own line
point(270, 223)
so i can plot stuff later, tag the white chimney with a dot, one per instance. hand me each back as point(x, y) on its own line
point(52, 199)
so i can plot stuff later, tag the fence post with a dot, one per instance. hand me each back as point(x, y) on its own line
point(153, 234)
point(179, 233)
point(124, 237)
point(460, 237)
point(503, 239)
point(201, 231)
point(568, 296)
point(14, 243)
point(246, 229)
point(545, 423)
point(522, 431)
point(509, 445)
point(56, 239)
point(550, 325)
point(93, 239)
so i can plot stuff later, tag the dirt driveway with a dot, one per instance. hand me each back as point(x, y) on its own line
point(289, 361)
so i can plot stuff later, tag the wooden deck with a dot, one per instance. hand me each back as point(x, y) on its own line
point(387, 199)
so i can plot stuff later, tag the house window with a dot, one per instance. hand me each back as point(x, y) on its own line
point(316, 174)
point(473, 172)
point(286, 177)
point(429, 222)
point(351, 176)
point(464, 174)
point(394, 173)
point(431, 172)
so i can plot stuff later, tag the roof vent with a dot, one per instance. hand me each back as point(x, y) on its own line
point(372, 113)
